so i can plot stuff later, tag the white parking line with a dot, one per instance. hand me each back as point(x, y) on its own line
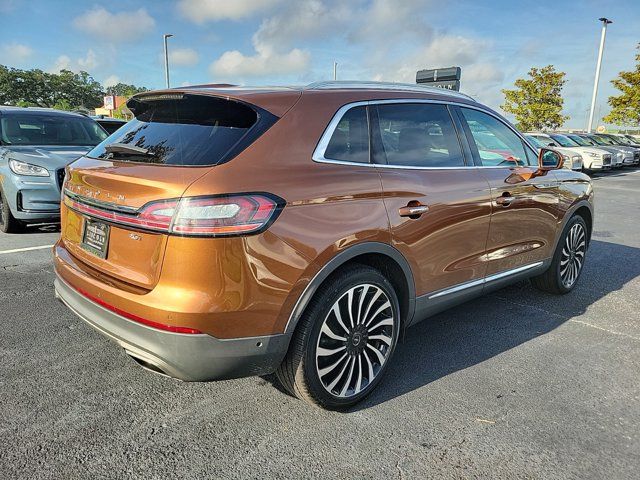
point(27, 249)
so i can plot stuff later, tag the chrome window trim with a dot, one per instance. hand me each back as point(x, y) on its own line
point(483, 281)
point(323, 143)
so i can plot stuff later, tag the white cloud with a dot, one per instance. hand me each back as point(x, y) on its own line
point(65, 62)
point(301, 20)
point(265, 62)
point(14, 53)
point(183, 57)
point(89, 62)
point(116, 27)
point(201, 11)
point(111, 81)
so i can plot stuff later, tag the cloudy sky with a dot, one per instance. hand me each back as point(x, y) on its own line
point(296, 41)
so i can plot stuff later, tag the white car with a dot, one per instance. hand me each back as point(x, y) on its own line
point(572, 159)
point(593, 159)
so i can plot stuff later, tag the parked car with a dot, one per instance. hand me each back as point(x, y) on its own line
point(593, 159)
point(226, 232)
point(35, 146)
point(110, 124)
point(618, 153)
point(631, 152)
point(572, 160)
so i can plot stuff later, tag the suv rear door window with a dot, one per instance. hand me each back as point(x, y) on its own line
point(417, 135)
point(185, 130)
point(350, 140)
point(497, 144)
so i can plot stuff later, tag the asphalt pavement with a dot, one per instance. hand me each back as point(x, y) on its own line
point(518, 384)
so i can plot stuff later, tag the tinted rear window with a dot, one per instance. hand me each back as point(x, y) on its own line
point(187, 130)
point(350, 140)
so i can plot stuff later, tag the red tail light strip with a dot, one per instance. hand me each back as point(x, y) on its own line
point(136, 318)
point(148, 222)
point(225, 215)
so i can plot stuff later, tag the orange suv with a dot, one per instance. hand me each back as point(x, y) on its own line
point(231, 231)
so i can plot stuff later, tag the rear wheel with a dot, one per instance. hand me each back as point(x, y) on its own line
point(8, 223)
point(344, 341)
point(568, 260)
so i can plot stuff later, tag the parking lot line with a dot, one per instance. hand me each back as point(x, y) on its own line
point(18, 250)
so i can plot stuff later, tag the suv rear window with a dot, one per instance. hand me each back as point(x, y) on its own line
point(185, 130)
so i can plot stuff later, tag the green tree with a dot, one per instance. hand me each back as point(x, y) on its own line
point(37, 88)
point(625, 108)
point(537, 102)
point(125, 90)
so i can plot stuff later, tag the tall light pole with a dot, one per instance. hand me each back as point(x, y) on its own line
point(335, 71)
point(605, 22)
point(166, 57)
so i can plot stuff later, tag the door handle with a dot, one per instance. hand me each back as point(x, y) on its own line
point(505, 200)
point(413, 210)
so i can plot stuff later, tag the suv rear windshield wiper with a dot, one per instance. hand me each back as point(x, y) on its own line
point(125, 149)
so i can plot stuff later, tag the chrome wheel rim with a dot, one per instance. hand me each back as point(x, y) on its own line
point(355, 340)
point(572, 258)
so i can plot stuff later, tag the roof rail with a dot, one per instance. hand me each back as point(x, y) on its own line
point(406, 87)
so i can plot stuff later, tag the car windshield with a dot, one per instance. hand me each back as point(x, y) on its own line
point(534, 141)
point(606, 140)
point(597, 140)
point(579, 140)
point(48, 129)
point(563, 141)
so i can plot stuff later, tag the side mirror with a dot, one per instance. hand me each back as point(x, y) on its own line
point(549, 159)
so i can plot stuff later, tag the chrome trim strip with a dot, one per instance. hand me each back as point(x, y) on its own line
point(457, 288)
point(482, 281)
point(318, 153)
point(99, 203)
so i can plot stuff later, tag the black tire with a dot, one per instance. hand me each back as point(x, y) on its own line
point(8, 223)
point(555, 279)
point(299, 372)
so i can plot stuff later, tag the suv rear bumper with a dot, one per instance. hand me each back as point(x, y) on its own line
point(189, 357)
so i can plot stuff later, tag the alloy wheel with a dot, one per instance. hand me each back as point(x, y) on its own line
point(355, 340)
point(572, 258)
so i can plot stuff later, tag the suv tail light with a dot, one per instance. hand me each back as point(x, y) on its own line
point(215, 216)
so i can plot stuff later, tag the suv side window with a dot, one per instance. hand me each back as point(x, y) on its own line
point(497, 144)
point(350, 139)
point(416, 135)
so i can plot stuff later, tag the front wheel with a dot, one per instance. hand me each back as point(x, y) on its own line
point(568, 259)
point(344, 341)
point(8, 223)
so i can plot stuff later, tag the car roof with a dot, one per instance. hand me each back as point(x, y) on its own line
point(10, 110)
point(336, 85)
point(278, 99)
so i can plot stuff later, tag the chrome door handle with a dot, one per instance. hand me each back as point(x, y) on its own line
point(505, 200)
point(413, 211)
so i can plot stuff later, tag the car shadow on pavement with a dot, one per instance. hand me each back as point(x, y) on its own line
point(488, 326)
point(483, 328)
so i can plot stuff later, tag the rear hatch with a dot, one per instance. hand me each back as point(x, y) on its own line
point(119, 197)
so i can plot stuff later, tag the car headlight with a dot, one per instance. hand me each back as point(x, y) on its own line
point(22, 168)
point(619, 154)
point(593, 154)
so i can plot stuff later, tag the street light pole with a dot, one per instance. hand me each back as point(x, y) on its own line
point(166, 58)
point(335, 71)
point(605, 22)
